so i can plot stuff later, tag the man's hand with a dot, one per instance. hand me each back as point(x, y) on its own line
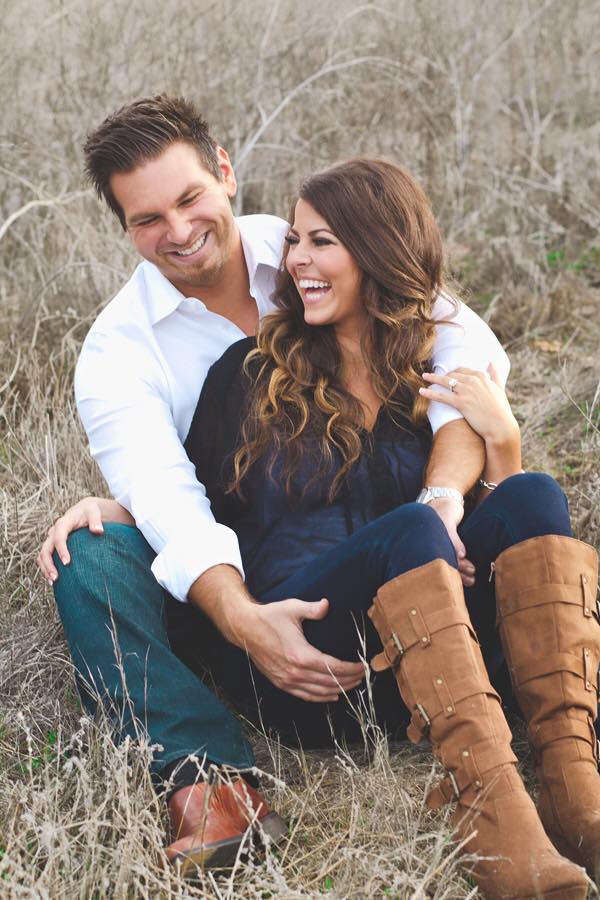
point(89, 513)
point(451, 513)
point(272, 635)
point(276, 644)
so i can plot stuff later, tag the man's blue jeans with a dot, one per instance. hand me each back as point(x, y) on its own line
point(114, 616)
point(110, 580)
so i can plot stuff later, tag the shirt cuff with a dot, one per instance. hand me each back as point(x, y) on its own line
point(439, 414)
point(185, 557)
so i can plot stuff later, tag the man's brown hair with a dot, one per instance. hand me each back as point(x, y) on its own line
point(142, 131)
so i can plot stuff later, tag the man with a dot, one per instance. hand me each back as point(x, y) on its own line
point(205, 281)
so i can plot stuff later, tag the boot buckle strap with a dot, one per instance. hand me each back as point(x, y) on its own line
point(419, 627)
point(423, 713)
point(396, 642)
point(415, 627)
point(554, 662)
point(478, 762)
point(455, 790)
point(446, 791)
point(588, 604)
point(441, 701)
point(589, 676)
point(393, 651)
point(420, 723)
point(559, 729)
point(390, 656)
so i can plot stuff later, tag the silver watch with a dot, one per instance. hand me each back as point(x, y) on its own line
point(434, 493)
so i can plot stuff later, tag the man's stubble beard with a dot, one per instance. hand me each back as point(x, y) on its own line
point(203, 277)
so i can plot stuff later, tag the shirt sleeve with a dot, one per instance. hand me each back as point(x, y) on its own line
point(462, 338)
point(123, 401)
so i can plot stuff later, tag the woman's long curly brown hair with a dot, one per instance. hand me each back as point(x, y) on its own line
point(299, 404)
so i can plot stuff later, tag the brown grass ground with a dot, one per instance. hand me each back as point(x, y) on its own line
point(500, 121)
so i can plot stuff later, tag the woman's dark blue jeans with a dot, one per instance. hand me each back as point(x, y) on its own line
point(349, 575)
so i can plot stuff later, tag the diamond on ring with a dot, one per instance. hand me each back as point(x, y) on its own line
point(452, 382)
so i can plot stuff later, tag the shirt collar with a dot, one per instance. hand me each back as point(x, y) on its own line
point(163, 298)
point(259, 244)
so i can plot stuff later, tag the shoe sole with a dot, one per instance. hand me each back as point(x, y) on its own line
point(223, 854)
point(220, 855)
point(273, 826)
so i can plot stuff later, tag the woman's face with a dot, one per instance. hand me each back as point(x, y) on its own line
point(325, 274)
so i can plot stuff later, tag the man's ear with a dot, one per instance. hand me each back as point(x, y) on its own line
point(227, 172)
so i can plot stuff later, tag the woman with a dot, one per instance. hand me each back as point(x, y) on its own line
point(322, 429)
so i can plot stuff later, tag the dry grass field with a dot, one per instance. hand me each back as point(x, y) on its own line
point(497, 110)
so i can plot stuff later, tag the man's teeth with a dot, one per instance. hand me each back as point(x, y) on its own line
point(194, 248)
point(306, 283)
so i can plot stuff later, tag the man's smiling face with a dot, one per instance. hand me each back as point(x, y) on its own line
point(179, 215)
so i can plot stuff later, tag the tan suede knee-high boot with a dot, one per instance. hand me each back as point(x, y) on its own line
point(424, 626)
point(546, 602)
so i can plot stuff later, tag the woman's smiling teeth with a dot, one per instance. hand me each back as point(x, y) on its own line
point(313, 289)
point(197, 245)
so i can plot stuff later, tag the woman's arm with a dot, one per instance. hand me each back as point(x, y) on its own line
point(90, 513)
point(483, 402)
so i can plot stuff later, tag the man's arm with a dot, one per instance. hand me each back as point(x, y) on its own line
point(483, 402)
point(273, 637)
point(123, 400)
point(462, 338)
point(457, 460)
point(457, 457)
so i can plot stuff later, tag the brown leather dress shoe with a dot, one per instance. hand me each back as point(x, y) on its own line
point(209, 822)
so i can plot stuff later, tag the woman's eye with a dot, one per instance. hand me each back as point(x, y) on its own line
point(290, 239)
point(322, 242)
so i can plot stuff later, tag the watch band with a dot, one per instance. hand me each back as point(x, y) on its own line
point(434, 493)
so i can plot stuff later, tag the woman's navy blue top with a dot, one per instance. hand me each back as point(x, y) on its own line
point(278, 534)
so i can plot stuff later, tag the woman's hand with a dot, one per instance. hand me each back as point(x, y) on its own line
point(483, 402)
point(480, 398)
point(90, 512)
point(273, 637)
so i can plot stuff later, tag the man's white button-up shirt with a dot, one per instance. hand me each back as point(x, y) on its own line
point(138, 379)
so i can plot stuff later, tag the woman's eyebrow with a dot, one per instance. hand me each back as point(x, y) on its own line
point(311, 233)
